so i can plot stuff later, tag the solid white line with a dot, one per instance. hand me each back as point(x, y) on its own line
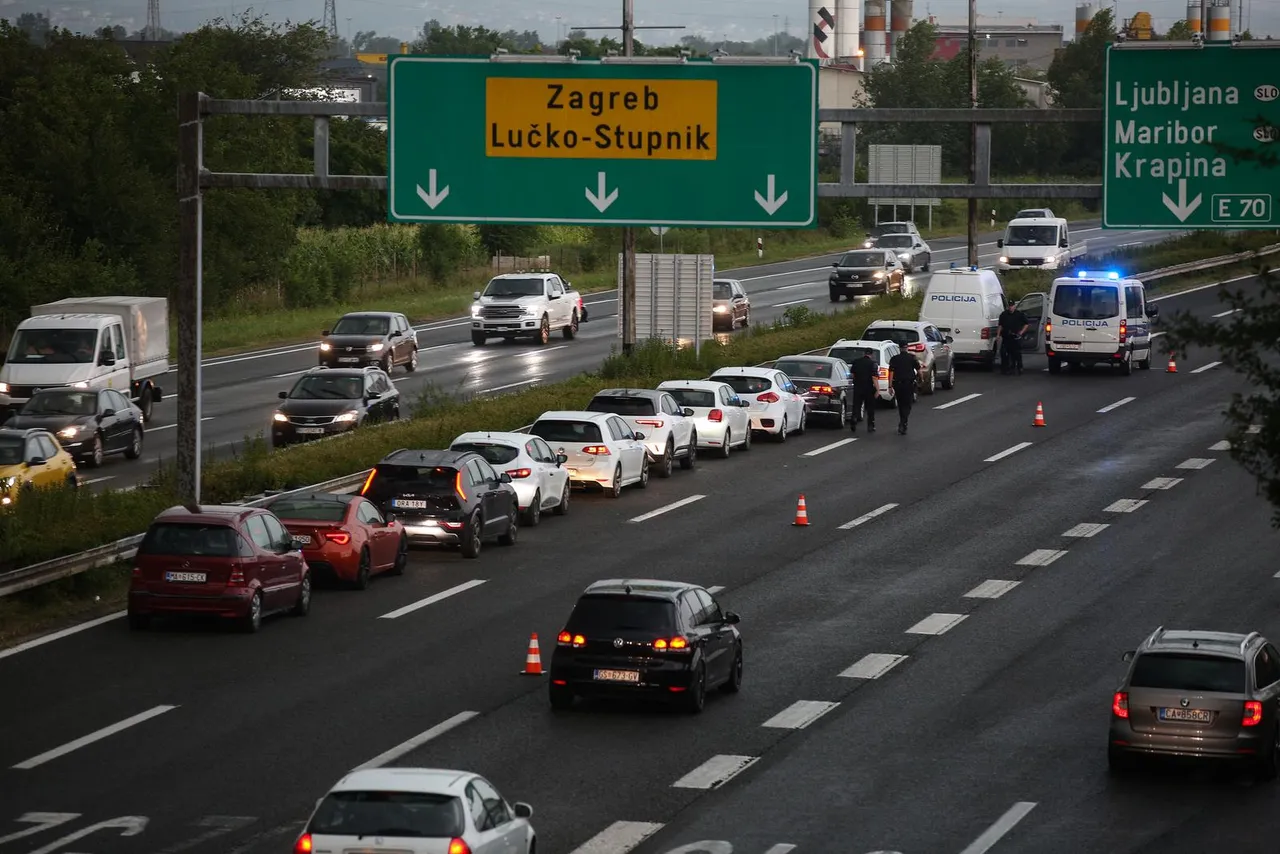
point(1195, 463)
point(1162, 483)
point(715, 589)
point(958, 401)
point(510, 385)
point(1208, 367)
point(799, 714)
point(618, 838)
point(59, 635)
point(1041, 557)
point(867, 517)
point(1086, 529)
point(1007, 452)
point(992, 588)
point(1224, 445)
point(781, 848)
point(937, 624)
point(873, 665)
point(171, 426)
point(1225, 313)
point(830, 447)
point(997, 831)
point(1117, 404)
point(433, 598)
point(716, 771)
point(541, 350)
point(801, 285)
point(94, 480)
point(1124, 505)
point(668, 508)
point(91, 738)
point(290, 374)
point(417, 741)
point(793, 302)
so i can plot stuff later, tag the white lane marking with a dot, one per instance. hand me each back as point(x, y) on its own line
point(59, 635)
point(150, 430)
point(510, 385)
point(959, 400)
point(42, 820)
point(619, 837)
point(867, 517)
point(94, 480)
point(1225, 313)
point(1162, 483)
point(1124, 505)
point(997, 831)
point(992, 588)
point(830, 447)
point(1007, 452)
point(600, 301)
point(289, 374)
point(675, 505)
point(799, 714)
point(715, 589)
point(937, 624)
point(1117, 404)
point(715, 772)
point(793, 302)
point(1208, 367)
point(873, 665)
point(1086, 529)
point(781, 848)
point(1277, 575)
point(417, 741)
point(801, 285)
point(541, 350)
point(433, 598)
point(1254, 429)
point(1224, 445)
point(1195, 463)
point(105, 732)
point(1041, 557)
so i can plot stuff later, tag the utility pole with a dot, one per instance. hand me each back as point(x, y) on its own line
point(973, 130)
point(190, 296)
point(628, 296)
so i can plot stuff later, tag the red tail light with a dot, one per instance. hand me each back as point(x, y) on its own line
point(1120, 704)
point(567, 639)
point(519, 473)
point(137, 572)
point(919, 348)
point(675, 644)
point(822, 389)
point(1124, 331)
point(1048, 330)
point(237, 576)
point(457, 487)
point(651, 422)
point(597, 450)
point(368, 481)
point(986, 333)
point(339, 537)
point(767, 397)
point(457, 846)
point(303, 845)
point(715, 415)
point(884, 373)
point(1252, 713)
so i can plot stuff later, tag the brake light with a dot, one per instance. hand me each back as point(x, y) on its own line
point(823, 389)
point(457, 487)
point(1124, 331)
point(675, 643)
point(1252, 713)
point(767, 397)
point(303, 845)
point(715, 415)
point(1048, 330)
point(457, 846)
point(368, 481)
point(918, 347)
point(567, 639)
point(339, 537)
point(597, 450)
point(237, 576)
point(519, 473)
point(883, 373)
point(986, 333)
point(651, 422)
point(1120, 704)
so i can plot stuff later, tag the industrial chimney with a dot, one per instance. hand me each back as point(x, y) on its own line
point(822, 25)
point(898, 24)
point(1084, 16)
point(848, 18)
point(1219, 21)
point(1194, 13)
point(873, 38)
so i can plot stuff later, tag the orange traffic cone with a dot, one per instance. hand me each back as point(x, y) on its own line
point(533, 659)
point(802, 514)
point(1173, 366)
point(1039, 422)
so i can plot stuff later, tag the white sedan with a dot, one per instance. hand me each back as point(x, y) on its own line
point(775, 404)
point(600, 448)
point(417, 811)
point(719, 416)
point(538, 474)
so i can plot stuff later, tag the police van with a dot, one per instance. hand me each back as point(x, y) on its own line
point(1098, 319)
point(965, 304)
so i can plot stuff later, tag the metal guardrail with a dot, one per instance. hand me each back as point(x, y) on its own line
point(122, 550)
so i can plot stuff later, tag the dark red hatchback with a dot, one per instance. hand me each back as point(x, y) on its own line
point(237, 563)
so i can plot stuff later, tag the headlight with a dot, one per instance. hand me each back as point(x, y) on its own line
point(720, 309)
point(4, 388)
point(475, 311)
point(1004, 259)
point(7, 482)
point(70, 432)
point(347, 417)
point(373, 348)
point(325, 348)
point(281, 417)
point(904, 255)
point(879, 274)
point(867, 244)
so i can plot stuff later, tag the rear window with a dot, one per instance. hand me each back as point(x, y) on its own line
point(621, 405)
point(494, 454)
point(804, 368)
point(746, 385)
point(170, 538)
point(721, 290)
point(394, 480)
point(406, 814)
point(1188, 673)
point(693, 397)
point(901, 337)
point(896, 241)
point(602, 615)
point(1087, 302)
point(849, 354)
point(567, 431)
point(301, 508)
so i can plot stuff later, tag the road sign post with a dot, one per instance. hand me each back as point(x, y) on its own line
point(1192, 136)
point(615, 142)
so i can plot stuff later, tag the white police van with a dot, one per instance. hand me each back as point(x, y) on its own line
point(1098, 319)
point(965, 305)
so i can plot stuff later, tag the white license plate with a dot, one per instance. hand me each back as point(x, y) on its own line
point(408, 504)
point(302, 539)
point(617, 675)
point(1198, 716)
point(189, 577)
point(1066, 345)
point(348, 360)
point(311, 431)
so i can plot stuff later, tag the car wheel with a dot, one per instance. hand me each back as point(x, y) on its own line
point(615, 489)
point(928, 262)
point(949, 381)
point(139, 622)
point(402, 557)
point(695, 699)
point(690, 459)
point(932, 385)
point(363, 570)
point(804, 422)
point(147, 403)
point(472, 536)
point(412, 364)
point(726, 447)
point(1126, 367)
point(746, 438)
point(544, 332)
point(513, 527)
point(734, 685)
point(388, 364)
point(834, 294)
point(533, 515)
point(135, 445)
point(477, 339)
point(665, 464)
point(1145, 364)
point(1269, 762)
point(644, 475)
point(782, 434)
point(252, 620)
point(563, 507)
point(303, 606)
point(96, 453)
point(73, 482)
point(561, 697)
point(746, 319)
point(572, 329)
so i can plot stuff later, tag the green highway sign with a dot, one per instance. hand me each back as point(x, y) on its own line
point(1192, 136)
point(602, 142)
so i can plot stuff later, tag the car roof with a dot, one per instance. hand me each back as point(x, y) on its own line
point(700, 385)
point(629, 392)
point(645, 588)
point(898, 324)
point(441, 781)
point(497, 438)
point(319, 497)
point(518, 275)
point(1231, 644)
point(743, 371)
point(409, 457)
point(371, 314)
point(341, 372)
point(574, 415)
point(207, 514)
point(858, 342)
point(807, 357)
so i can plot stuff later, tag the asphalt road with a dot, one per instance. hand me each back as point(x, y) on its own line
point(189, 739)
point(240, 391)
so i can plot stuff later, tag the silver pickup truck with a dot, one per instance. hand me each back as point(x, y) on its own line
point(525, 305)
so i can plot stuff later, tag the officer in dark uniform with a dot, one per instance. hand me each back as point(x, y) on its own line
point(904, 373)
point(865, 371)
point(1013, 325)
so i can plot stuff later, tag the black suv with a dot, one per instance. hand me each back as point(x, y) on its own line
point(646, 638)
point(383, 338)
point(328, 401)
point(452, 498)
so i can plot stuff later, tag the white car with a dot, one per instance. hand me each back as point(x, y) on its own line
point(719, 415)
point(600, 448)
point(881, 352)
point(775, 404)
point(538, 474)
point(669, 428)
point(416, 811)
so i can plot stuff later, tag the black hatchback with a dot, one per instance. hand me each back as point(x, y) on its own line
point(645, 638)
point(447, 498)
point(325, 402)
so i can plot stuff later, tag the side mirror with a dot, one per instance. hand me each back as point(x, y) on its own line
point(106, 359)
point(284, 395)
point(687, 412)
point(836, 264)
point(36, 461)
point(1153, 311)
point(1000, 243)
point(1064, 244)
point(522, 810)
point(731, 618)
point(562, 458)
point(106, 413)
point(639, 437)
point(949, 340)
point(475, 295)
point(325, 332)
point(1128, 656)
point(744, 404)
point(373, 395)
point(390, 518)
point(395, 334)
point(504, 478)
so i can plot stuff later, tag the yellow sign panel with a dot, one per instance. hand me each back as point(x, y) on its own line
point(610, 119)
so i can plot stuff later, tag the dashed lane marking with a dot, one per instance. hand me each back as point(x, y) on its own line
point(619, 837)
point(539, 351)
point(105, 732)
point(1208, 367)
point(715, 772)
point(715, 589)
point(675, 505)
point(992, 588)
point(1195, 463)
point(958, 401)
point(1041, 557)
point(432, 599)
point(937, 624)
point(1117, 404)
point(799, 714)
point(1224, 445)
point(94, 480)
point(510, 385)
point(1226, 313)
point(417, 741)
point(840, 444)
point(1000, 829)
point(792, 302)
point(1086, 529)
point(1162, 483)
point(171, 426)
point(1008, 452)
point(867, 517)
point(1124, 505)
point(873, 665)
point(216, 825)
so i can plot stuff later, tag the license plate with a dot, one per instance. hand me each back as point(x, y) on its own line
point(409, 504)
point(189, 577)
point(348, 360)
point(617, 675)
point(302, 539)
point(311, 431)
point(1066, 345)
point(503, 328)
point(1198, 716)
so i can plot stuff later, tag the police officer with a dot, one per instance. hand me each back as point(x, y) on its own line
point(1013, 325)
point(865, 371)
point(904, 373)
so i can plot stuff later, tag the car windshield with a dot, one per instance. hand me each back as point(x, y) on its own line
point(605, 615)
point(193, 540)
point(53, 347)
point(901, 337)
point(891, 228)
point(416, 815)
point(1175, 672)
point(397, 480)
point(361, 324)
point(321, 387)
point(721, 290)
point(61, 403)
point(862, 259)
point(1087, 302)
point(746, 385)
point(494, 454)
point(1033, 213)
point(514, 288)
point(896, 241)
point(621, 405)
point(694, 398)
point(849, 354)
point(309, 509)
point(1031, 235)
point(804, 368)
point(567, 431)
point(10, 451)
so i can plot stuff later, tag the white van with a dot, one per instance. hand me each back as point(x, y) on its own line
point(1098, 319)
point(1037, 243)
point(965, 305)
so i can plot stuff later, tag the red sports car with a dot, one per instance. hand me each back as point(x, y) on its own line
point(343, 537)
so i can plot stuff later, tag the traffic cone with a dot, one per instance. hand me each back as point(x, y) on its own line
point(1173, 366)
point(1039, 422)
point(533, 659)
point(802, 514)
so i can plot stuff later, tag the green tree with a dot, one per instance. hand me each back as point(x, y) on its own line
point(1179, 31)
point(1078, 76)
point(36, 26)
point(439, 40)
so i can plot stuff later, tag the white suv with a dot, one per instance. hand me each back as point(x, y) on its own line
point(669, 430)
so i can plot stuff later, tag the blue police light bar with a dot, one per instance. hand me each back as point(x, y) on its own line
point(1084, 274)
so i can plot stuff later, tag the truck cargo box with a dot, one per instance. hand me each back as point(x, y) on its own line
point(146, 324)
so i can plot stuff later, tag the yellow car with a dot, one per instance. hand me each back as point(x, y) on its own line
point(31, 458)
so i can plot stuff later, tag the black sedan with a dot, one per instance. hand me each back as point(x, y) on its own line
point(89, 424)
point(328, 401)
point(383, 338)
point(825, 384)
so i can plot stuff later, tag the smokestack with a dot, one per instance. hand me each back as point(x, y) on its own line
point(822, 26)
point(900, 23)
point(847, 20)
point(1219, 22)
point(874, 38)
point(1193, 16)
point(1084, 15)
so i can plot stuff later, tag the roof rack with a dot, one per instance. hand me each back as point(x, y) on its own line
point(1244, 644)
point(1156, 635)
